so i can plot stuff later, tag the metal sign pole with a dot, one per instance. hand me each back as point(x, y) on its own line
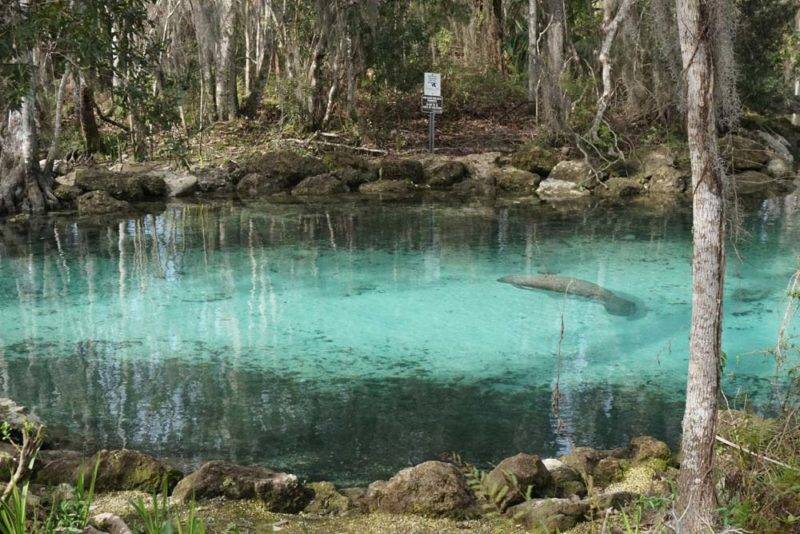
point(431, 130)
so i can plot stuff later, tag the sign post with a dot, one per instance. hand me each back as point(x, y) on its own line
point(432, 103)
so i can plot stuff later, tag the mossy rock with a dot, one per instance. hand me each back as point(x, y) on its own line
point(643, 448)
point(327, 500)
point(536, 159)
point(122, 470)
point(446, 174)
point(401, 169)
point(276, 172)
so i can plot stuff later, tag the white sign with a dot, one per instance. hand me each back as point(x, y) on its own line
point(432, 104)
point(433, 84)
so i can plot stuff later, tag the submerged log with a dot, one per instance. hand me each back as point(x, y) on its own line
point(613, 303)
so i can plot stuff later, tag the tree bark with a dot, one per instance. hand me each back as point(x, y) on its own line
point(88, 121)
point(226, 97)
point(610, 27)
point(533, 49)
point(553, 104)
point(696, 497)
point(205, 37)
point(53, 150)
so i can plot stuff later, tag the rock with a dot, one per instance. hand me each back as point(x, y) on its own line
point(644, 448)
point(180, 185)
point(323, 184)
point(575, 171)
point(67, 193)
point(387, 187)
point(535, 159)
point(358, 498)
point(433, 489)
point(473, 187)
point(584, 459)
point(120, 186)
point(668, 180)
point(16, 415)
point(353, 178)
point(549, 515)
point(743, 153)
point(153, 186)
point(566, 480)
point(125, 470)
point(619, 187)
point(645, 478)
point(280, 492)
point(401, 169)
point(327, 501)
point(100, 203)
point(54, 467)
point(779, 168)
point(517, 181)
point(111, 523)
point(754, 183)
point(556, 190)
point(276, 172)
point(210, 180)
point(606, 471)
point(615, 499)
point(777, 144)
point(521, 473)
point(446, 174)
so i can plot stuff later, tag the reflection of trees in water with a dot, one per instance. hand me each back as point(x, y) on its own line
point(348, 429)
point(218, 406)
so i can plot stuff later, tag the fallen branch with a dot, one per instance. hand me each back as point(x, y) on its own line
point(109, 120)
point(760, 456)
point(307, 142)
point(32, 438)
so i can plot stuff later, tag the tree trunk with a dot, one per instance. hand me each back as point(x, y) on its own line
point(205, 37)
point(89, 129)
point(497, 34)
point(553, 105)
point(696, 497)
point(533, 49)
point(22, 187)
point(250, 107)
point(53, 150)
point(610, 27)
point(226, 97)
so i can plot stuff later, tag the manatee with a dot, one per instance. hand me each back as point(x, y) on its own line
point(613, 303)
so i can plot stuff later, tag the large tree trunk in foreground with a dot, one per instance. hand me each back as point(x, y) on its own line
point(22, 185)
point(696, 497)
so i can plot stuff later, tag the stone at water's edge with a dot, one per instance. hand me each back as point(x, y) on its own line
point(566, 480)
point(388, 188)
point(522, 473)
point(618, 187)
point(401, 169)
point(516, 181)
point(322, 184)
point(558, 190)
point(446, 174)
point(123, 470)
point(327, 500)
point(535, 159)
point(644, 448)
point(433, 489)
point(100, 203)
point(758, 184)
point(280, 492)
point(276, 172)
point(574, 171)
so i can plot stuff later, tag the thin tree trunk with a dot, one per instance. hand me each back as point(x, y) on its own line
point(610, 27)
point(225, 83)
point(53, 150)
point(250, 107)
point(205, 37)
point(89, 129)
point(533, 49)
point(696, 497)
point(553, 104)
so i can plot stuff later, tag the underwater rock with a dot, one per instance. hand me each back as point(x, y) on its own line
point(613, 303)
point(280, 492)
point(433, 489)
point(100, 203)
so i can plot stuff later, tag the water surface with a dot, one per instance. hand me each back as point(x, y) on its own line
point(345, 342)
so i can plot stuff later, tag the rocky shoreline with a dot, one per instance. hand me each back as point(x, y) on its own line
point(551, 494)
point(761, 165)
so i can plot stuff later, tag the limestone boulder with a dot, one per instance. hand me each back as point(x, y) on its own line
point(566, 480)
point(758, 184)
point(535, 159)
point(523, 474)
point(446, 174)
point(327, 500)
point(744, 153)
point(516, 181)
point(550, 515)
point(619, 187)
point(127, 470)
point(401, 170)
point(280, 492)
point(433, 489)
point(575, 171)
point(100, 203)
point(644, 448)
point(560, 190)
point(276, 172)
point(320, 185)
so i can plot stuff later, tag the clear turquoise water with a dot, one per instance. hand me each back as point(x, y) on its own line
point(345, 342)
